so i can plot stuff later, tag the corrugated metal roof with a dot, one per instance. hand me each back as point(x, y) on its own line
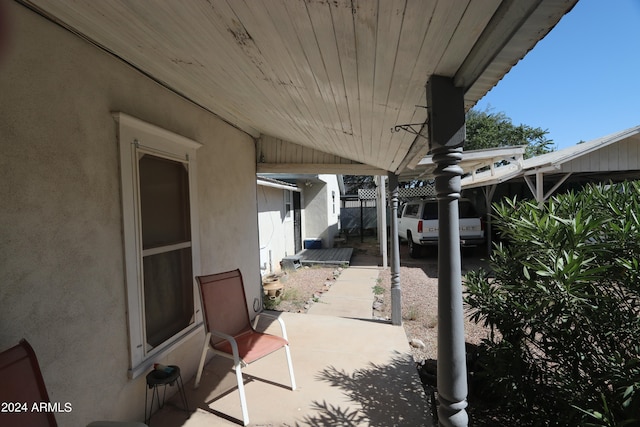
point(271, 182)
point(552, 162)
point(472, 161)
point(556, 158)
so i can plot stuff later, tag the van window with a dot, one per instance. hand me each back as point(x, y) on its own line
point(466, 210)
point(412, 210)
point(430, 211)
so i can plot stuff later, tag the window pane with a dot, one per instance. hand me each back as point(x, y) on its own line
point(430, 211)
point(164, 202)
point(466, 210)
point(168, 294)
point(287, 204)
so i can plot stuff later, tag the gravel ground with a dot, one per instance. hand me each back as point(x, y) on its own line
point(419, 285)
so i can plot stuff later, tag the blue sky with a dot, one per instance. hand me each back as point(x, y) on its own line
point(582, 81)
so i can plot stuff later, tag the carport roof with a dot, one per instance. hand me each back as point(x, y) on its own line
point(553, 162)
point(556, 158)
point(472, 161)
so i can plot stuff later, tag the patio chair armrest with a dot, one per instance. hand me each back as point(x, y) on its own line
point(280, 321)
point(232, 341)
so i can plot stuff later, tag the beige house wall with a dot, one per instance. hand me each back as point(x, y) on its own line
point(333, 207)
point(319, 219)
point(61, 247)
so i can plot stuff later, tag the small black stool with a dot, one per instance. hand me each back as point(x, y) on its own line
point(157, 378)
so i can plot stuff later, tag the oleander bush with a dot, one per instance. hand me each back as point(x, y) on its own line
point(562, 302)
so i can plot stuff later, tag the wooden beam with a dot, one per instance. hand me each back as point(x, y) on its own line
point(313, 168)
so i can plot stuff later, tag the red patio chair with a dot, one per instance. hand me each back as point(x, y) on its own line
point(230, 332)
point(22, 387)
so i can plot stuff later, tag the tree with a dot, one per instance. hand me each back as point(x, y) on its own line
point(352, 183)
point(489, 130)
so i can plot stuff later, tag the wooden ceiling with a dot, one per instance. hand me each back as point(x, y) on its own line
point(332, 75)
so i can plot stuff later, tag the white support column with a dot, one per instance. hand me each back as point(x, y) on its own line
point(488, 197)
point(382, 215)
point(557, 185)
point(396, 294)
point(540, 188)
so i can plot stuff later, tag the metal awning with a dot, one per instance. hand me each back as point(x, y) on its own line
point(472, 162)
point(618, 152)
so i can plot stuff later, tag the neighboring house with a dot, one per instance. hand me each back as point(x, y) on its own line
point(279, 222)
point(295, 211)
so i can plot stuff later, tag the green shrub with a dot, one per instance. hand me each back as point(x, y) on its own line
point(290, 294)
point(271, 303)
point(378, 290)
point(563, 305)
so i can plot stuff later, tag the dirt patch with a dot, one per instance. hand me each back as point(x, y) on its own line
point(302, 288)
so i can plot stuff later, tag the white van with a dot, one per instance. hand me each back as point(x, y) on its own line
point(418, 225)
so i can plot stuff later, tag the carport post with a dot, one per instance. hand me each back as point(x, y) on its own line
point(446, 136)
point(488, 198)
point(396, 294)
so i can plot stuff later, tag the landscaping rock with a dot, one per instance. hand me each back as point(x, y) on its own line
point(417, 343)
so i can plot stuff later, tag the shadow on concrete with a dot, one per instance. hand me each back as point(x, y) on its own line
point(369, 388)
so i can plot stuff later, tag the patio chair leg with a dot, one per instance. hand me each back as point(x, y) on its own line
point(243, 399)
point(293, 380)
point(196, 384)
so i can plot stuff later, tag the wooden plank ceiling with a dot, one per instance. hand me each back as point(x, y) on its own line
point(334, 76)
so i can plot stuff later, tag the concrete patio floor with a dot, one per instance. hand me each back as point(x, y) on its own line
point(350, 371)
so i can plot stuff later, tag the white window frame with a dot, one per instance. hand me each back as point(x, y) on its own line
point(136, 137)
point(288, 205)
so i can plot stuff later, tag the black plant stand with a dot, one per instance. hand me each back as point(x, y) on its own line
point(158, 378)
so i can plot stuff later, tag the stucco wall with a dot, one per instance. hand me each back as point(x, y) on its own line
point(333, 207)
point(320, 221)
point(276, 231)
point(61, 248)
point(315, 210)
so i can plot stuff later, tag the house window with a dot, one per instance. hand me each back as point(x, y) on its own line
point(166, 247)
point(287, 204)
point(333, 201)
point(161, 238)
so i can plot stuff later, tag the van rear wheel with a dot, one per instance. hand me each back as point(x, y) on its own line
point(415, 250)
